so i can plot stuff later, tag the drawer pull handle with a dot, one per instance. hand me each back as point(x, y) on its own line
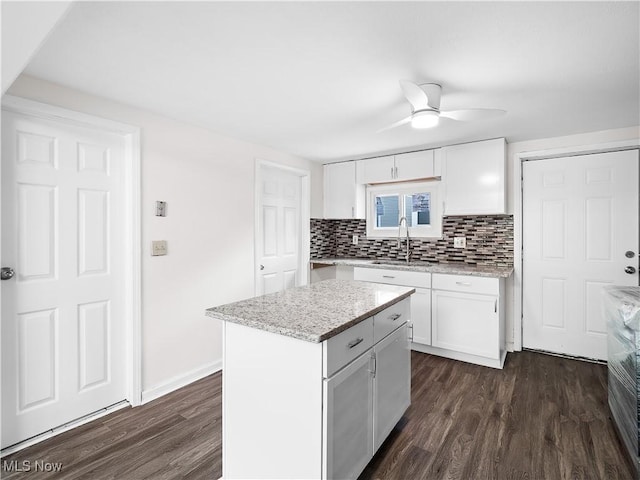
point(355, 342)
point(464, 284)
point(388, 276)
point(395, 317)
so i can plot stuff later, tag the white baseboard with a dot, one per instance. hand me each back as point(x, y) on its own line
point(180, 381)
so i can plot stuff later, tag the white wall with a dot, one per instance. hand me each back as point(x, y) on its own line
point(572, 142)
point(207, 181)
point(25, 27)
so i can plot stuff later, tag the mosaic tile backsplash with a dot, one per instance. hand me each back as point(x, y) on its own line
point(489, 241)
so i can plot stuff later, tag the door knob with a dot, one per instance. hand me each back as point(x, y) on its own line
point(7, 273)
point(261, 267)
point(630, 270)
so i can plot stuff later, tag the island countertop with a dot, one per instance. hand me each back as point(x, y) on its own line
point(313, 312)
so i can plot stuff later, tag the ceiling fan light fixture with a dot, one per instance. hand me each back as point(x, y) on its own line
point(425, 119)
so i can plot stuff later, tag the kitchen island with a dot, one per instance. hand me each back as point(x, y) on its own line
point(314, 378)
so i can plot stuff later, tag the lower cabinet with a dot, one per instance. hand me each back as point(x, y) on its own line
point(348, 419)
point(362, 404)
point(421, 316)
point(392, 384)
point(467, 319)
point(454, 316)
point(466, 322)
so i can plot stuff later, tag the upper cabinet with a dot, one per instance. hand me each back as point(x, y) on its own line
point(373, 170)
point(415, 165)
point(398, 168)
point(343, 197)
point(474, 178)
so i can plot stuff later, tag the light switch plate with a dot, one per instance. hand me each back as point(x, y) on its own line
point(354, 239)
point(158, 247)
point(459, 242)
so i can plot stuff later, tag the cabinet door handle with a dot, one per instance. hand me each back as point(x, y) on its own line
point(395, 317)
point(373, 360)
point(410, 329)
point(464, 284)
point(388, 276)
point(353, 212)
point(355, 342)
point(395, 171)
point(495, 307)
point(391, 172)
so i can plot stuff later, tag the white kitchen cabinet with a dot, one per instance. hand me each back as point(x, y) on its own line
point(392, 384)
point(421, 316)
point(376, 170)
point(468, 319)
point(397, 168)
point(474, 178)
point(348, 419)
point(364, 400)
point(454, 316)
point(343, 197)
point(414, 165)
point(295, 409)
point(420, 301)
point(466, 322)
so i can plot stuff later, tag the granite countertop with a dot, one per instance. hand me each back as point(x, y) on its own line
point(417, 266)
point(313, 312)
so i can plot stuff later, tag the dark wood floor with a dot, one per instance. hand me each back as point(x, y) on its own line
point(174, 437)
point(541, 417)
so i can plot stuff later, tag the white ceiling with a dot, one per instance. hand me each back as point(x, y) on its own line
point(319, 79)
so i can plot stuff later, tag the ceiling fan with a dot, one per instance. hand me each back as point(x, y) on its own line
point(425, 107)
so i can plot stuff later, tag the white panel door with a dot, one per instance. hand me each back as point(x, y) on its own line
point(278, 238)
point(62, 312)
point(580, 218)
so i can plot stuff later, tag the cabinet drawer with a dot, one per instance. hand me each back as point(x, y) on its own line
point(393, 277)
point(338, 351)
point(465, 283)
point(391, 318)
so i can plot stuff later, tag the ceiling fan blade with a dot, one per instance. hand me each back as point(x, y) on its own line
point(471, 114)
point(396, 124)
point(416, 96)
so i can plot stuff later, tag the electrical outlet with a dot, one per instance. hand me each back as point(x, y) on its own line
point(354, 240)
point(459, 242)
point(158, 247)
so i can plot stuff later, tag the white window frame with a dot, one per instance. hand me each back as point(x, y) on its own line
point(434, 230)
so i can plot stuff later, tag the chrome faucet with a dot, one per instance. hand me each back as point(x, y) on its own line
point(404, 219)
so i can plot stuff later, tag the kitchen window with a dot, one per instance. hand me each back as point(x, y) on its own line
point(417, 202)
